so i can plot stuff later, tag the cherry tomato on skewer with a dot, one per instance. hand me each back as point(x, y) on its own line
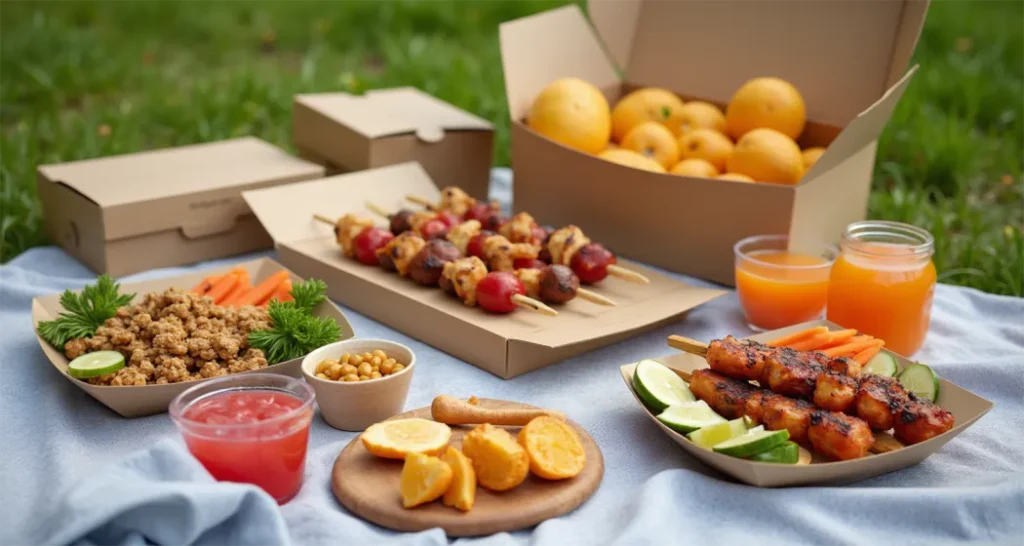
point(475, 247)
point(433, 229)
point(494, 292)
point(528, 263)
point(479, 212)
point(591, 262)
point(367, 243)
point(449, 219)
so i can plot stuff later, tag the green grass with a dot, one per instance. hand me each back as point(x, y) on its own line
point(85, 79)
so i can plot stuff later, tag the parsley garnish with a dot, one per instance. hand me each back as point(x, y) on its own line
point(85, 312)
point(295, 331)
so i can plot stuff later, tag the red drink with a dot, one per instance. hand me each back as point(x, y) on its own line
point(250, 433)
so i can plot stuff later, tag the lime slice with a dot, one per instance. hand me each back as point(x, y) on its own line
point(785, 453)
point(659, 387)
point(922, 381)
point(690, 416)
point(95, 364)
point(754, 441)
point(882, 364)
point(709, 436)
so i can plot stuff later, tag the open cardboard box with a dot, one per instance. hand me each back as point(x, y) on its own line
point(965, 406)
point(137, 401)
point(387, 126)
point(130, 213)
point(505, 345)
point(847, 57)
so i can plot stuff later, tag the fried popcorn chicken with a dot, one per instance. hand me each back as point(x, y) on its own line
point(175, 336)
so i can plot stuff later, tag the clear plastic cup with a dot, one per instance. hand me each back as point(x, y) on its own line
point(249, 428)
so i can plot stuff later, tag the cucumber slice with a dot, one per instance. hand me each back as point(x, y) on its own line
point(921, 380)
point(784, 453)
point(659, 387)
point(690, 416)
point(882, 364)
point(754, 441)
point(95, 364)
point(710, 436)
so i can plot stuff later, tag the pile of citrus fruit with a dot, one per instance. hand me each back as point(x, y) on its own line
point(753, 140)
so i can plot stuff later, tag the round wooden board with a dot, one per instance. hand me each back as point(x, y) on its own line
point(368, 486)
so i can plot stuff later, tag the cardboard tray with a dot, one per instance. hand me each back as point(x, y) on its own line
point(965, 406)
point(505, 345)
point(138, 401)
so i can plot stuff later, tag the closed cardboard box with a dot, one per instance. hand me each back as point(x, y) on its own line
point(129, 213)
point(355, 132)
point(847, 57)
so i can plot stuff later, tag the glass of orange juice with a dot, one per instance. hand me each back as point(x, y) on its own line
point(779, 288)
point(883, 282)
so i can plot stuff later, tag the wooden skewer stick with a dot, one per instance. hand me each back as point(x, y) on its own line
point(884, 442)
point(627, 275)
point(594, 297)
point(533, 305)
point(324, 219)
point(377, 209)
point(420, 201)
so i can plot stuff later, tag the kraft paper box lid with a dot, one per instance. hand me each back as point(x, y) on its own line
point(194, 188)
point(505, 345)
point(847, 57)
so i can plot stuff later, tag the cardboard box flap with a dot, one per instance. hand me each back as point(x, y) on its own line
point(840, 54)
point(539, 49)
point(389, 112)
point(286, 212)
point(118, 184)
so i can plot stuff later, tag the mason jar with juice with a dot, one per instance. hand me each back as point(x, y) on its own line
point(883, 282)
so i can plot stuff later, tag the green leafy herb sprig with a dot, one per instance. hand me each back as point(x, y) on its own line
point(294, 330)
point(85, 312)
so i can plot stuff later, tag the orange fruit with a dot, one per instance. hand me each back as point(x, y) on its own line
point(695, 166)
point(766, 103)
point(651, 139)
point(734, 176)
point(499, 462)
point(424, 479)
point(706, 144)
point(572, 112)
point(696, 115)
point(555, 450)
point(647, 104)
point(811, 156)
point(767, 155)
point(630, 158)
point(401, 437)
point(462, 492)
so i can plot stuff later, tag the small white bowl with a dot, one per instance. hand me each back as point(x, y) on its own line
point(355, 405)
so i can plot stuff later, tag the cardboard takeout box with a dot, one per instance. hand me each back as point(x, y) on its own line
point(965, 406)
point(847, 57)
point(137, 401)
point(177, 206)
point(355, 132)
point(505, 345)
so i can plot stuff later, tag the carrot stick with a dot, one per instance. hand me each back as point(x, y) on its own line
point(206, 284)
point(244, 285)
point(824, 341)
point(282, 293)
point(865, 356)
point(786, 340)
point(849, 349)
point(262, 290)
point(223, 287)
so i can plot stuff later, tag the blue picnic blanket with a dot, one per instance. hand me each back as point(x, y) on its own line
point(74, 472)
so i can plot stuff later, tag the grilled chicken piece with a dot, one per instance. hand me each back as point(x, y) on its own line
point(738, 359)
point(455, 201)
point(461, 234)
point(502, 253)
point(919, 420)
point(754, 408)
point(839, 436)
point(845, 366)
point(564, 242)
point(780, 412)
point(531, 281)
point(462, 276)
point(835, 391)
point(878, 399)
point(793, 373)
point(401, 250)
point(728, 397)
point(519, 229)
point(346, 229)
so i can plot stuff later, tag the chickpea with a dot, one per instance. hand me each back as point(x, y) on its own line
point(345, 358)
point(398, 368)
point(347, 369)
point(375, 375)
point(387, 366)
point(380, 354)
point(335, 370)
point(321, 366)
point(322, 376)
point(365, 369)
point(350, 378)
point(355, 360)
point(364, 378)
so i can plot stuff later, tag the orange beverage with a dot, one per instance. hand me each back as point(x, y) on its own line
point(778, 288)
point(883, 283)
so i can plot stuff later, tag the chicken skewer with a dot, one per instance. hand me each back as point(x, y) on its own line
point(412, 257)
point(592, 262)
point(548, 283)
